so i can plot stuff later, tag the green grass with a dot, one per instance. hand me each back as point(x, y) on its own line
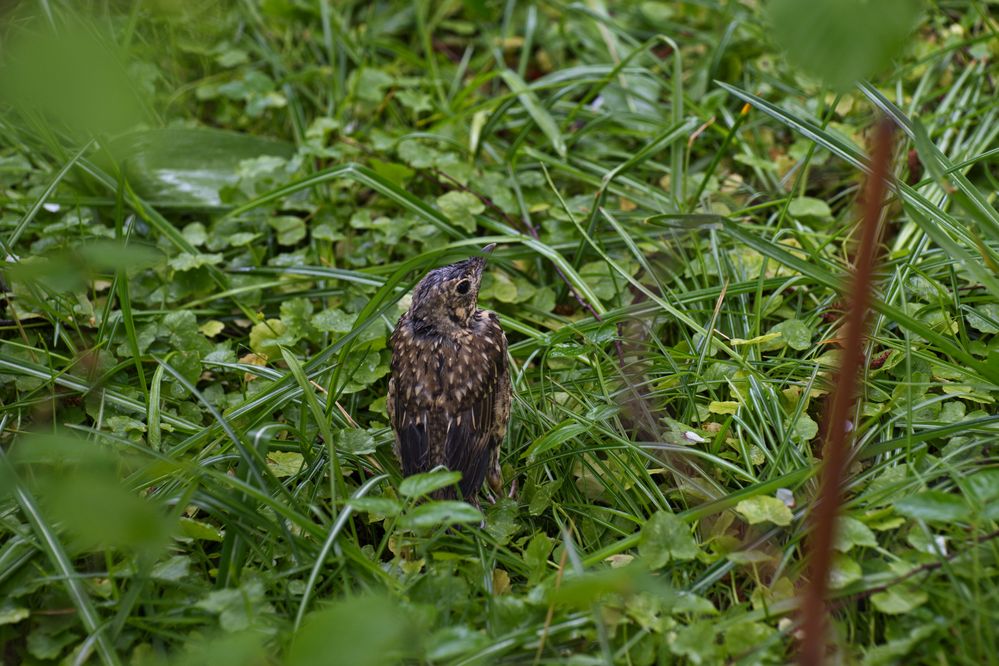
point(195, 463)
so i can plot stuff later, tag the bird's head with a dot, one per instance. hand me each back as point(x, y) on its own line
point(446, 297)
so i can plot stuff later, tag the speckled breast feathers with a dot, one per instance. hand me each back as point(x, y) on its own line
point(449, 394)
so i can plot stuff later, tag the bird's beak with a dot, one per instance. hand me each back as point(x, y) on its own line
point(488, 249)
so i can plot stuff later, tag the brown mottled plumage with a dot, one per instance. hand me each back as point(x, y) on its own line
point(449, 395)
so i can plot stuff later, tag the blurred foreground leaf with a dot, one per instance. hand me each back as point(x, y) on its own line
point(842, 41)
point(76, 481)
point(189, 167)
point(363, 631)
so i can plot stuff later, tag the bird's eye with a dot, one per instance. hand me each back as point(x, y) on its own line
point(463, 287)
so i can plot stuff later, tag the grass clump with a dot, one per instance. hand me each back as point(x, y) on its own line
point(212, 216)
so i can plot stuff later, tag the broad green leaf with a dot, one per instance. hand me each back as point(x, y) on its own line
point(934, 506)
point(984, 318)
point(417, 154)
point(851, 532)
point(363, 630)
point(211, 328)
point(392, 171)
point(544, 299)
point(842, 41)
point(11, 614)
point(749, 557)
point(188, 167)
point(764, 596)
point(100, 512)
point(498, 285)
point(605, 282)
point(186, 261)
point(503, 520)
point(952, 411)
point(265, 337)
point(334, 321)
point(195, 233)
point(49, 644)
point(983, 486)
point(415, 101)
point(126, 427)
point(805, 428)
point(461, 208)
point(195, 529)
point(418, 485)
point(796, 333)
point(241, 648)
point(581, 591)
point(926, 289)
point(536, 555)
point(369, 84)
point(764, 509)
point(382, 506)
point(746, 637)
point(172, 569)
point(666, 537)
point(899, 599)
point(367, 366)
point(892, 652)
point(682, 601)
point(284, 463)
point(355, 440)
point(697, 642)
point(239, 608)
point(450, 642)
point(109, 256)
point(252, 87)
point(723, 407)
point(927, 542)
point(323, 231)
point(241, 238)
point(440, 514)
point(290, 229)
point(807, 207)
point(231, 57)
point(844, 571)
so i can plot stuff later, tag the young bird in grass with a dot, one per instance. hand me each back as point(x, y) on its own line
point(449, 394)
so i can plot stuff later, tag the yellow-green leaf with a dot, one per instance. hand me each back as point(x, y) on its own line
point(764, 509)
point(284, 463)
point(211, 328)
point(759, 339)
point(724, 407)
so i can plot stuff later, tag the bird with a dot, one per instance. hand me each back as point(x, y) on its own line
point(449, 392)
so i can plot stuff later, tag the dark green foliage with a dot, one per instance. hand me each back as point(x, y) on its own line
point(212, 215)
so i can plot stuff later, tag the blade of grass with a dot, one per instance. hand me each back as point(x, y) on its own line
point(534, 107)
point(337, 527)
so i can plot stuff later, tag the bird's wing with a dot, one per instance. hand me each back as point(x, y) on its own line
point(406, 410)
point(472, 429)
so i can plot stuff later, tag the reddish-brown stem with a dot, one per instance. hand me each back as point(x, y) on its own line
point(821, 539)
